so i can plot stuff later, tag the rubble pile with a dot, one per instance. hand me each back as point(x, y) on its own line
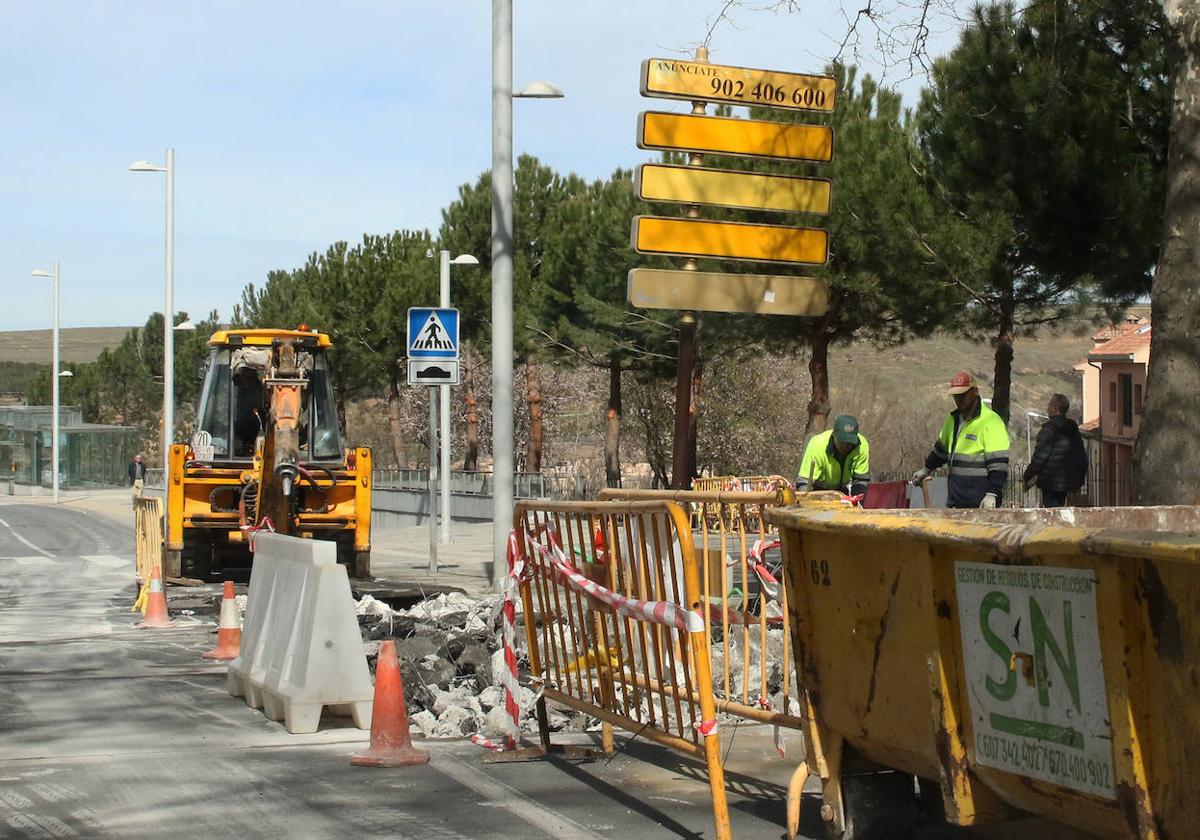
point(449, 648)
point(738, 668)
point(451, 661)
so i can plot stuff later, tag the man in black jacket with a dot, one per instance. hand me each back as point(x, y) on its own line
point(1059, 462)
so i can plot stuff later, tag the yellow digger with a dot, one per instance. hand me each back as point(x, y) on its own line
point(268, 454)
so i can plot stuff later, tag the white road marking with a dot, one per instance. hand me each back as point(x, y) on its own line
point(496, 792)
point(25, 541)
point(35, 560)
point(109, 560)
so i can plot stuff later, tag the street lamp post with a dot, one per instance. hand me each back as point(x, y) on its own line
point(168, 428)
point(444, 390)
point(502, 257)
point(1028, 437)
point(54, 380)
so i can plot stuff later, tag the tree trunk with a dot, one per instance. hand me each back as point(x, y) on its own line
point(393, 407)
point(1168, 432)
point(471, 456)
point(681, 477)
point(1002, 373)
point(818, 373)
point(612, 433)
point(533, 396)
point(697, 374)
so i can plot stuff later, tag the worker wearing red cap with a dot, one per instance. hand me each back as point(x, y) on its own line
point(974, 443)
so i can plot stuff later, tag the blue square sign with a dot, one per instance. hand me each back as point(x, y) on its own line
point(432, 333)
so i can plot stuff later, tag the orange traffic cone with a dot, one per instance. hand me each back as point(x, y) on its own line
point(391, 742)
point(229, 630)
point(156, 603)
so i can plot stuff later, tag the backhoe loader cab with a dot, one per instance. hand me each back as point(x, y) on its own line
point(268, 453)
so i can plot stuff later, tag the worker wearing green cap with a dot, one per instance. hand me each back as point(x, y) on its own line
point(839, 459)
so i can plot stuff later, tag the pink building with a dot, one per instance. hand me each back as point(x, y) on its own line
point(1114, 385)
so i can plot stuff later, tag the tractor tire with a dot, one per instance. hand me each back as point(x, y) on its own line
point(196, 559)
point(879, 806)
point(172, 564)
point(362, 565)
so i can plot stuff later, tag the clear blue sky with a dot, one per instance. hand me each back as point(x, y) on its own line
point(297, 124)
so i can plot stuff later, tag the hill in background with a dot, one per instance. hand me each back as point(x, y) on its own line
point(79, 344)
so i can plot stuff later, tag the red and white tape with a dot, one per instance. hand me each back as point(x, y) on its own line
point(657, 612)
point(508, 677)
point(769, 584)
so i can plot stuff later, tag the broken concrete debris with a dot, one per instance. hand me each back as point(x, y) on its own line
point(451, 658)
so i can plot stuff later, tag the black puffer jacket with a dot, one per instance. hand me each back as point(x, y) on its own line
point(1059, 460)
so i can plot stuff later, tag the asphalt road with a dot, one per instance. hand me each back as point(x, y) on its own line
point(107, 731)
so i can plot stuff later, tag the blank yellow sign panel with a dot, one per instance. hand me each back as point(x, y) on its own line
point(727, 136)
point(730, 240)
point(703, 291)
point(724, 188)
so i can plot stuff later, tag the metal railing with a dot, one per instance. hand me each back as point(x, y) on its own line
point(471, 483)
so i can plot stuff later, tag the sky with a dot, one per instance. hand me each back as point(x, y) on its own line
point(299, 124)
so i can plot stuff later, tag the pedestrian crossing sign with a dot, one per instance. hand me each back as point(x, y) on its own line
point(432, 333)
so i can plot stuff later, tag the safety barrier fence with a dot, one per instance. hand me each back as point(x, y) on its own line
point(615, 627)
point(725, 484)
point(148, 543)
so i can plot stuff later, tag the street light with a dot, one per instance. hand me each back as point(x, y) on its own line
point(168, 429)
point(54, 420)
point(1028, 437)
point(444, 391)
point(185, 325)
point(502, 257)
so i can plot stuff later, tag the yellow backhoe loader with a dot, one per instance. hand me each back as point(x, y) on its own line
point(268, 454)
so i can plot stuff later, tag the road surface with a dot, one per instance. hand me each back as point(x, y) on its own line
point(107, 731)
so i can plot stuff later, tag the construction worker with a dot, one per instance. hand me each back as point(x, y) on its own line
point(974, 442)
point(839, 459)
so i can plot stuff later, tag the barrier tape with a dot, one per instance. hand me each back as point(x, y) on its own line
point(264, 524)
point(657, 612)
point(706, 727)
point(508, 678)
point(769, 583)
point(481, 741)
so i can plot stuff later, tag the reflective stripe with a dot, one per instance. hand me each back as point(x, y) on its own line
point(1000, 468)
point(980, 472)
point(999, 453)
point(962, 458)
point(862, 476)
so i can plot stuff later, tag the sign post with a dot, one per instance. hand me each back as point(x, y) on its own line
point(433, 360)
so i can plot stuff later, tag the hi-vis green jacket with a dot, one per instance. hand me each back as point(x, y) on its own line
point(829, 471)
point(977, 451)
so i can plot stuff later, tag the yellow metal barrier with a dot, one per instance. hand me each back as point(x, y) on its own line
point(747, 593)
point(148, 540)
point(633, 653)
point(771, 484)
point(1019, 661)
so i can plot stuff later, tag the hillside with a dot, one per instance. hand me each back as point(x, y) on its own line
point(79, 344)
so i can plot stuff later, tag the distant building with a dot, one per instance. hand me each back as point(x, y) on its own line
point(1114, 385)
point(92, 455)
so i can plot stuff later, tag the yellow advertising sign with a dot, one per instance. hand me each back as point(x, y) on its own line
point(670, 78)
point(705, 291)
point(727, 136)
point(725, 188)
point(729, 240)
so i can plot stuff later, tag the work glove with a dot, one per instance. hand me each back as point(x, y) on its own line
point(989, 501)
point(920, 476)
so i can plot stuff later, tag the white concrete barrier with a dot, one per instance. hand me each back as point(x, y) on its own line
point(301, 646)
